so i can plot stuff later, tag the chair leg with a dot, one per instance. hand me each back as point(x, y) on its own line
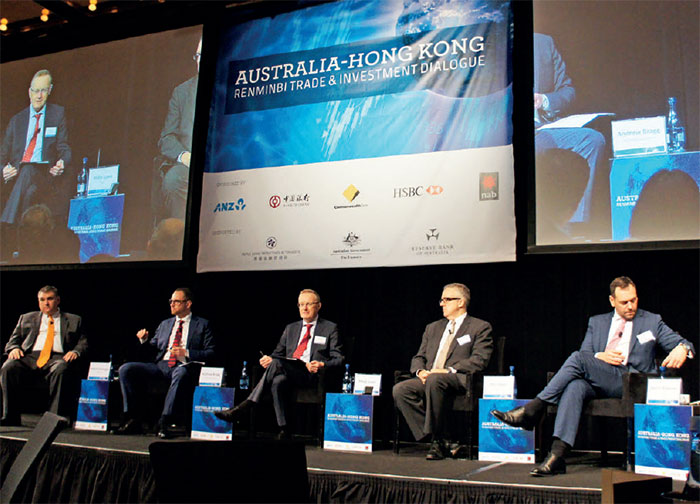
point(629, 466)
point(321, 423)
point(603, 441)
point(397, 421)
point(470, 435)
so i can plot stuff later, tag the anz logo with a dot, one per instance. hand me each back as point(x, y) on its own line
point(230, 206)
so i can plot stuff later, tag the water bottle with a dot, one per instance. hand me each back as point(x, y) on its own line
point(347, 381)
point(675, 132)
point(662, 372)
point(515, 383)
point(245, 379)
point(82, 180)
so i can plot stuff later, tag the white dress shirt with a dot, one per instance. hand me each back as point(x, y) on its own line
point(443, 341)
point(306, 356)
point(43, 329)
point(623, 345)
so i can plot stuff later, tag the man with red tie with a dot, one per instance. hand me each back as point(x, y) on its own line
point(181, 345)
point(305, 347)
point(35, 153)
point(45, 345)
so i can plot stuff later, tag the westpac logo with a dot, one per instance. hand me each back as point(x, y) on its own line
point(488, 186)
point(412, 192)
point(230, 206)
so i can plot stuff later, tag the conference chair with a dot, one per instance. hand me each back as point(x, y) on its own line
point(465, 404)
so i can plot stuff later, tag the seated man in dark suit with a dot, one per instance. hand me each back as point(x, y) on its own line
point(45, 345)
point(312, 342)
point(35, 153)
point(622, 341)
point(178, 348)
point(452, 347)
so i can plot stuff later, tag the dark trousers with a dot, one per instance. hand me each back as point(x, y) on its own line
point(423, 405)
point(135, 376)
point(17, 374)
point(277, 380)
point(32, 185)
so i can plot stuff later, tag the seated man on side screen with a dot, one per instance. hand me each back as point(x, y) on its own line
point(45, 345)
point(179, 347)
point(622, 341)
point(311, 340)
point(452, 347)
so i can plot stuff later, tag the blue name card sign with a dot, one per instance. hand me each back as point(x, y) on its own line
point(500, 442)
point(92, 405)
point(348, 423)
point(662, 440)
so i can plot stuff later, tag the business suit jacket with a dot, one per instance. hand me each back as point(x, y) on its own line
point(470, 357)
point(176, 136)
point(54, 147)
point(200, 340)
point(330, 352)
point(27, 329)
point(641, 355)
point(550, 78)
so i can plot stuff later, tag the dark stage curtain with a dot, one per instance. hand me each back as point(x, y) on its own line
point(68, 474)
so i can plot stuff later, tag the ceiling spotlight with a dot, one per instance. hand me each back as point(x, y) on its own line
point(93, 5)
point(44, 15)
point(3, 24)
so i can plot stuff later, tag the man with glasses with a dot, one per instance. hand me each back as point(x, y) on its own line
point(452, 347)
point(306, 346)
point(180, 346)
point(34, 155)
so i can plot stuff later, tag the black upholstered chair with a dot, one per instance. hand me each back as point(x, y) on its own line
point(467, 403)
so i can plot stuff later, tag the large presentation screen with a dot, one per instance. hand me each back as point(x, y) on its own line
point(616, 122)
point(361, 133)
point(103, 174)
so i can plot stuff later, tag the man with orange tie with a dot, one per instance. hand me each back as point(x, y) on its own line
point(45, 345)
point(180, 346)
point(35, 153)
point(305, 346)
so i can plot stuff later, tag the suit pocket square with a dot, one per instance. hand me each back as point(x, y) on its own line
point(645, 337)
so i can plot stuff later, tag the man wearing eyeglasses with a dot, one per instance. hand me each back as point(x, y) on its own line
point(35, 153)
point(175, 146)
point(306, 346)
point(181, 345)
point(452, 348)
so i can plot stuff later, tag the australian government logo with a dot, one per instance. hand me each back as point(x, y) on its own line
point(431, 245)
point(289, 200)
point(488, 186)
point(351, 195)
point(351, 247)
point(272, 255)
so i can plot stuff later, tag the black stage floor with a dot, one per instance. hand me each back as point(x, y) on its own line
point(380, 476)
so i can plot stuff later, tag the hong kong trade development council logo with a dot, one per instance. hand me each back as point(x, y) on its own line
point(271, 242)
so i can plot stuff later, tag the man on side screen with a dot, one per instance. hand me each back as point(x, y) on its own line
point(624, 340)
point(452, 347)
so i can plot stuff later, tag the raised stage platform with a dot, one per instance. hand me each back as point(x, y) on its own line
point(84, 466)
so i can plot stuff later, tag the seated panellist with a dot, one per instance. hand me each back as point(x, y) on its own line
point(624, 340)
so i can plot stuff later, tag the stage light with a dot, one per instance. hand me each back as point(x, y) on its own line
point(44, 15)
point(3, 24)
point(93, 5)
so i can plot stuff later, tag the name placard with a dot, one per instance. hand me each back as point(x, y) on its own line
point(499, 387)
point(102, 179)
point(646, 135)
point(211, 376)
point(664, 391)
point(100, 371)
point(362, 381)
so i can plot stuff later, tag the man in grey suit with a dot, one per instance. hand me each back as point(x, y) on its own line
point(175, 145)
point(622, 341)
point(305, 347)
point(452, 348)
point(45, 345)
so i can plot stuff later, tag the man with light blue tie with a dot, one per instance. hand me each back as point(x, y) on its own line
point(34, 155)
point(615, 343)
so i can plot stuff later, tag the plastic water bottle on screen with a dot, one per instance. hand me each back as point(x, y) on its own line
point(244, 383)
point(515, 383)
point(347, 380)
point(662, 371)
point(675, 132)
point(82, 180)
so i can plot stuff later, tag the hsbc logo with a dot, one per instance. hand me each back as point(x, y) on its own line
point(412, 192)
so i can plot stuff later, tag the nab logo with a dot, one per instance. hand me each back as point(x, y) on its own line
point(230, 206)
point(275, 201)
point(488, 186)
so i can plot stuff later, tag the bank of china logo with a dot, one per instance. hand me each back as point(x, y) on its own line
point(350, 193)
point(432, 234)
point(351, 239)
point(230, 206)
point(488, 186)
point(275, 201)
point(271, 242)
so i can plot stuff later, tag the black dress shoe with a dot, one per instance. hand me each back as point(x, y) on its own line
point(517, 417)
point(283, 435)
point(231, 414)
point(437, 451)
point(129, 428)
point(552, 465)
point(166, 433)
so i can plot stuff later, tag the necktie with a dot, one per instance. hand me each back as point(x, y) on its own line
point(615, 340)
point(442, 356)
point(172, 360)
point(304, 342)
point(32, 142)
point(48, 345)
